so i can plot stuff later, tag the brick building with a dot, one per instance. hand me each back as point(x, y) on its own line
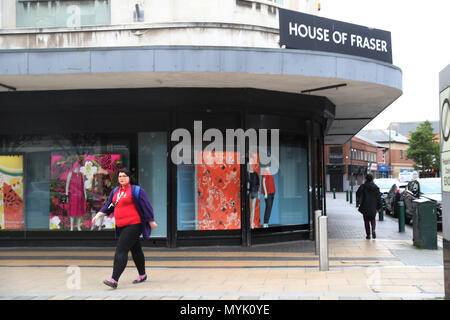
point(341, 164)
point(392, 156)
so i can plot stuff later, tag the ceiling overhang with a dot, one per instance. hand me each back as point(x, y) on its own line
point(359, 88)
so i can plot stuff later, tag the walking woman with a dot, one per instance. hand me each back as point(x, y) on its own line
point(368, 197)
point(133, 215)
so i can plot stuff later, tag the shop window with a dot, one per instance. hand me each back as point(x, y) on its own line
point(282, 197)
point(60, 13)
point(152, 149)
point(64, 180)
point(209, 193)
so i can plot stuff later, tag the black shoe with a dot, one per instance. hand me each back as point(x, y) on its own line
point(110, 283)
point(368, 237)
point(374, 235)
point(139, 280)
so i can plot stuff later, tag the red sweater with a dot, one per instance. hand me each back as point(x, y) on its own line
point(125, 212)
point(270, 183)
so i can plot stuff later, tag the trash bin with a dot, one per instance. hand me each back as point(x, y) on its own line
point(425, 224)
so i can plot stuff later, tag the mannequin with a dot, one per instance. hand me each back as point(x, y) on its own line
point(254, 193)
point(76, 195)
point(101, 183)
point(268, 186)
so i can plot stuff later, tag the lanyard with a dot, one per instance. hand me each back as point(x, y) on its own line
point(119, 196)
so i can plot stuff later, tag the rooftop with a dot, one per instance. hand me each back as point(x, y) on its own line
point(382, 135)
point(405, 128)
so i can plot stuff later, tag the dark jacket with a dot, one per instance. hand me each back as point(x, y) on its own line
point(143, 206)
point(368, 197)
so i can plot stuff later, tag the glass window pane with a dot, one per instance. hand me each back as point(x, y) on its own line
point(11, 192)
point(284, 198)
point(67, 178)
point(153, 175)
point(209, 195)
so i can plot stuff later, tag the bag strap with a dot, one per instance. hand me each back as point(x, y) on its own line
point(136, 191)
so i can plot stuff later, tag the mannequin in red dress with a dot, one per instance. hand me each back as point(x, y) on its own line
point(76, 195)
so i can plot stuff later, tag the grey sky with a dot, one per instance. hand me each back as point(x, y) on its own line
point(421, 48)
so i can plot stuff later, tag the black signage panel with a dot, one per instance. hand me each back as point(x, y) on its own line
point(308, 32)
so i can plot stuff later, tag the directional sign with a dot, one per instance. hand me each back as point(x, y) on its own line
point(445, 138)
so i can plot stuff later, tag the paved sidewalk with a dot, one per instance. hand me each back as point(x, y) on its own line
point(389, 267)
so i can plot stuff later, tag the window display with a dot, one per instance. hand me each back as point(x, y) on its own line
point(209, 193)
point(218, 190)
point(268, 188)
point(279, 198)
point(11, 192)
point(80, 185)
point(254, 190)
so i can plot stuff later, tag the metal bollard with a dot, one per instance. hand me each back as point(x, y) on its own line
point(351, 197)
point(323, 242)
point(346, 195)
point(401, 216)
point(381, 213)
point(334, 193)
point(317, 214)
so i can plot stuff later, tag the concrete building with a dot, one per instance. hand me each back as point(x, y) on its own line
point(91, 86)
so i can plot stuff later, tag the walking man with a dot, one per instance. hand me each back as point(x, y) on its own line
point(368, 199)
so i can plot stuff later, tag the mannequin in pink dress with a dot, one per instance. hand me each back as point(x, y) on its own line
point(76, 193)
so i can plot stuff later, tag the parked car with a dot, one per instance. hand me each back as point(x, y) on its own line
point(392, 197)
point(385, 185)
point(423, 188)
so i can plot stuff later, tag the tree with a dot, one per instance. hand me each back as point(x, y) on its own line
point(423, 148)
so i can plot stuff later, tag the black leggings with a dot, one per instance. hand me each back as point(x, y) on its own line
point(128, 241)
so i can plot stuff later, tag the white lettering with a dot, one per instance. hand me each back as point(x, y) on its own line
point(337, 38)
point(352, 39)
point(368, 43)
point(383, 46)
point(292, 28)
point(181, 153)
point(359, 41)
point(326, 35)
point(73, 282)
point(197, 310)
point(215, 146)
point(305, 31)
point(247, 309)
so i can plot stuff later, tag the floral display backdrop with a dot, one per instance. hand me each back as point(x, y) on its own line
point(11, 192)
point(100, 177)
point(219, 192)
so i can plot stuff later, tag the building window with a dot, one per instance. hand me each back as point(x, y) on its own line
point(336, 155)
point(60, 13)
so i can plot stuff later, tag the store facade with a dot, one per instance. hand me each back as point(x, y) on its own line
point(227, 141)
